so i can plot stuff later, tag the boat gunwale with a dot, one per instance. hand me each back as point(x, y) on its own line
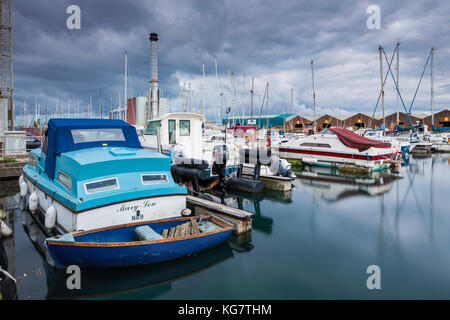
point(225, 228)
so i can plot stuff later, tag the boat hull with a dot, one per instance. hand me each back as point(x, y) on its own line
point(118, 254)
point(133, 210)
point(322, 157)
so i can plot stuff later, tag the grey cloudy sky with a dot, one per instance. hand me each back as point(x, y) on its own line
point(274, 41)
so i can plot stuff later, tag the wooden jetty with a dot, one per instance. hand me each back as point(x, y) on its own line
point(274, 182)
point(240, 219)
point(11, 168)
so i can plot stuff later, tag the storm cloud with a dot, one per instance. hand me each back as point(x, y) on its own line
point(271, 41)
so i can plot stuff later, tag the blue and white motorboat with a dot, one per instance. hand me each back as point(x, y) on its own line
point(93, 173)
point(138, 243)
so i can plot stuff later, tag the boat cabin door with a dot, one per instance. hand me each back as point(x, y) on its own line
point(172, 132)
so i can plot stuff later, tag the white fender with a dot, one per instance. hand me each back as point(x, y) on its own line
point(23, 189)
point(33, 202)
point(50, 217)
point(20, 180)
point(5, 231)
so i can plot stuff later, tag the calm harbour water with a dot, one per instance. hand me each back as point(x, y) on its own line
point(313, 243)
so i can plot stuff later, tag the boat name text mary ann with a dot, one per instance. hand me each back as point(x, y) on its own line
point(229, 309)
point(135, 207)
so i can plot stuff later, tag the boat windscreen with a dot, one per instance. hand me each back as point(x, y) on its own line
point(97, 135)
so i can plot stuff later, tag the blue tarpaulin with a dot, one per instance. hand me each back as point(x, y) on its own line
point(60, 138)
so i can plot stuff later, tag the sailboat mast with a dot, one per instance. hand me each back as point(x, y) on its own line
point(24, 110)
point(380, 49)
point(432, 89)
point(101, 104)
point(125, 87)
point(314, 96)
point(202, 111)
point(267, 110)
point(251, 101)
point(292, 109)
point(398, 73)
point(184, 90)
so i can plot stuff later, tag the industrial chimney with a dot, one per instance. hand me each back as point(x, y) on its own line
point(154, 93)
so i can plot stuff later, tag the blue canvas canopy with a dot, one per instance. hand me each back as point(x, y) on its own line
point(60, 137)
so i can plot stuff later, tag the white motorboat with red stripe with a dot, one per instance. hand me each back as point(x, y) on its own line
point(335, 146)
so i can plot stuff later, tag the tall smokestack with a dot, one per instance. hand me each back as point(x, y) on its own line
point(154, 94)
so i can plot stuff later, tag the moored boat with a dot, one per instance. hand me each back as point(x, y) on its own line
point(180, 134)
point(93, 173)
point(336, 146)
point(138, 243)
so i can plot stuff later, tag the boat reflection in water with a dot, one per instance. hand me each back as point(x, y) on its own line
point(252, 203)
point(139, 282)
point(332, 186)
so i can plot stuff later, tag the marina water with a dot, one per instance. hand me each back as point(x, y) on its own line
point(315, 242)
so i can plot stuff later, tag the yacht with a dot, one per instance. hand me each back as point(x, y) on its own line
point(337, 146)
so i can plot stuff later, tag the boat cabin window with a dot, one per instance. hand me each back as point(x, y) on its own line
point(152, 127)
point(97, 135)
point(172, 132)
point(185, 127)
point(101, 185)
point(154, 178)
point(32, 161)
point(315, 145)
point(65, 180)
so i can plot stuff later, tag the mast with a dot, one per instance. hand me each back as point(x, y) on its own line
point(251, 101)
point(46, 110)
point(432, 90)
point(202, 108)
point(292, 109)
point(24, 110)
point(184, 90)
point(233, 96)
point(90, 106)
point(189, 104)
point(267, 109)
point(125, 87)
point(398, 72)
point(101, 103)
point(35, 109)
point(11, 73)
point(219, 90)
point(380, 49)
point(120, 106)
point(314, 96)
point(57, 102)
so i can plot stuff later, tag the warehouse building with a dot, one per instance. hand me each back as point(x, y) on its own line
point(263, 121)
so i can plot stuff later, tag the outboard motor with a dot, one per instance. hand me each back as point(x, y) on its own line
point(220, 156)
point(280, 167)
